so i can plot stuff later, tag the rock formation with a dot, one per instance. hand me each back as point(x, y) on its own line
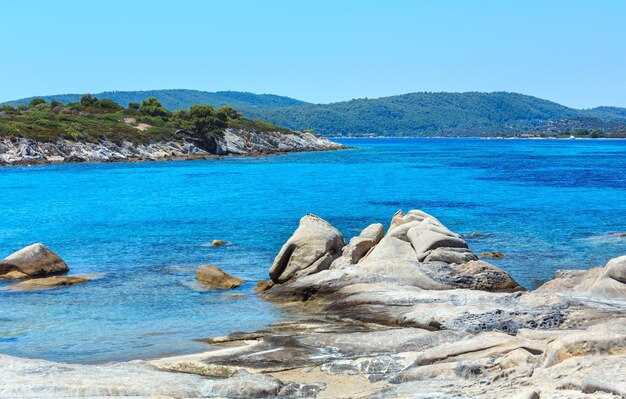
point(216, 278)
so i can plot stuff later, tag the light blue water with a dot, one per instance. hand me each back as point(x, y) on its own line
point(546, 204)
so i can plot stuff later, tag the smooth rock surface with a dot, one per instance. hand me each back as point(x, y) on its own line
point(312, 248)
point(34, 260)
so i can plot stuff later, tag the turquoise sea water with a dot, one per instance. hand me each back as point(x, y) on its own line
point(546, 204)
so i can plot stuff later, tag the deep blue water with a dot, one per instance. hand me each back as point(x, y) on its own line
point(546, 204)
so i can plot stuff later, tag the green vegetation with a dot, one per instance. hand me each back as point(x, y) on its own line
point(91, 119)
point(416, 114)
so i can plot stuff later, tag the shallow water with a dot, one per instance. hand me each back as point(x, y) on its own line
point(546, 204)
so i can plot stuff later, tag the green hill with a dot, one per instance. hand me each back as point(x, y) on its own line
point(415, 114)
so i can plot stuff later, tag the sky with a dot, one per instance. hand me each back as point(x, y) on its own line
point(572, 52)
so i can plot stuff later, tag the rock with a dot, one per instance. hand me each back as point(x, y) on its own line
point(313, 247)
point(218, 243)
point(603, 339)
point(25, 151)
point(263, 285)
point(611, 283)
point(237, 295)
point(619, 234)
point(450, 255)
point(493, 254)
point(425, 241)
point(488, 277)
point(35, 260)
point(14, 275)
point(359, 246)
point(216, 278)
point(43, 283)
point(244, 385)
point(400, 218)
point(616, 269)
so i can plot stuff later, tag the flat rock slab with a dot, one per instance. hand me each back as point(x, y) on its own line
point(36, 284)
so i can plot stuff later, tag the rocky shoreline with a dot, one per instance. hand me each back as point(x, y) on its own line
point(25, 151)
point(409, 312)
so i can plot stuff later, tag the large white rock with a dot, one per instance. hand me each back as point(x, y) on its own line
point(312, 248)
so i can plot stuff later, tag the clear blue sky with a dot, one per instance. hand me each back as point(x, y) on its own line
point(572, 52)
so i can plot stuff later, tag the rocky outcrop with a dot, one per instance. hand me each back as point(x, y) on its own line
point(312, 248)
point(36, 260)
point(25, 151)
point(418, 250)
point(216, 278)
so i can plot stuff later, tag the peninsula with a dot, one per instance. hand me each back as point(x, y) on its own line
point(94, 130)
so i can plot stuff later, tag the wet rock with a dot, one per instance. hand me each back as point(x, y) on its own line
point(313, 247)
point(216, 278)
point(218, 243)
point(263, 285)
point(35, 284)
point(493, 254)
point(35, 260)
point(14, 275)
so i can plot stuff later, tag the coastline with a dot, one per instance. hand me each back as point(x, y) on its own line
point(406, 311)
point(233, 142)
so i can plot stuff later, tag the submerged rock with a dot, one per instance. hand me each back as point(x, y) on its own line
point(312, 248)
point(215, 277)
point(34, 261)
point(36, 284)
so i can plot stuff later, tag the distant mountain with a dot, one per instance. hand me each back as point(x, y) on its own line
point(415, 114)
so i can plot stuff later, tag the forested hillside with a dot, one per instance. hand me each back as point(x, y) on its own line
point(415, 114)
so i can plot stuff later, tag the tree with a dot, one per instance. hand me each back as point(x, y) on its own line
point(109, 105)
point(201, 119)
point(133, 105)
point(35, 102)
point(230, 112)
point(153, 107)
point(55, 104)
point(87, 100)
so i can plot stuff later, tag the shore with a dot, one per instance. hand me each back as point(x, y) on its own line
point(406, 311)
point(24, 151)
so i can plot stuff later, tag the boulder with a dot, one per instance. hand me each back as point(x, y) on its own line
point(611, 283)
point(218, 243)
point(313, 247)
point(216, 278)
point(36, 284)
point(35, 260)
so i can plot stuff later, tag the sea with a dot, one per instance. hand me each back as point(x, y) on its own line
point(545, 204)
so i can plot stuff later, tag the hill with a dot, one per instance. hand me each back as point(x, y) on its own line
point(177, 99)
point(414, 114)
